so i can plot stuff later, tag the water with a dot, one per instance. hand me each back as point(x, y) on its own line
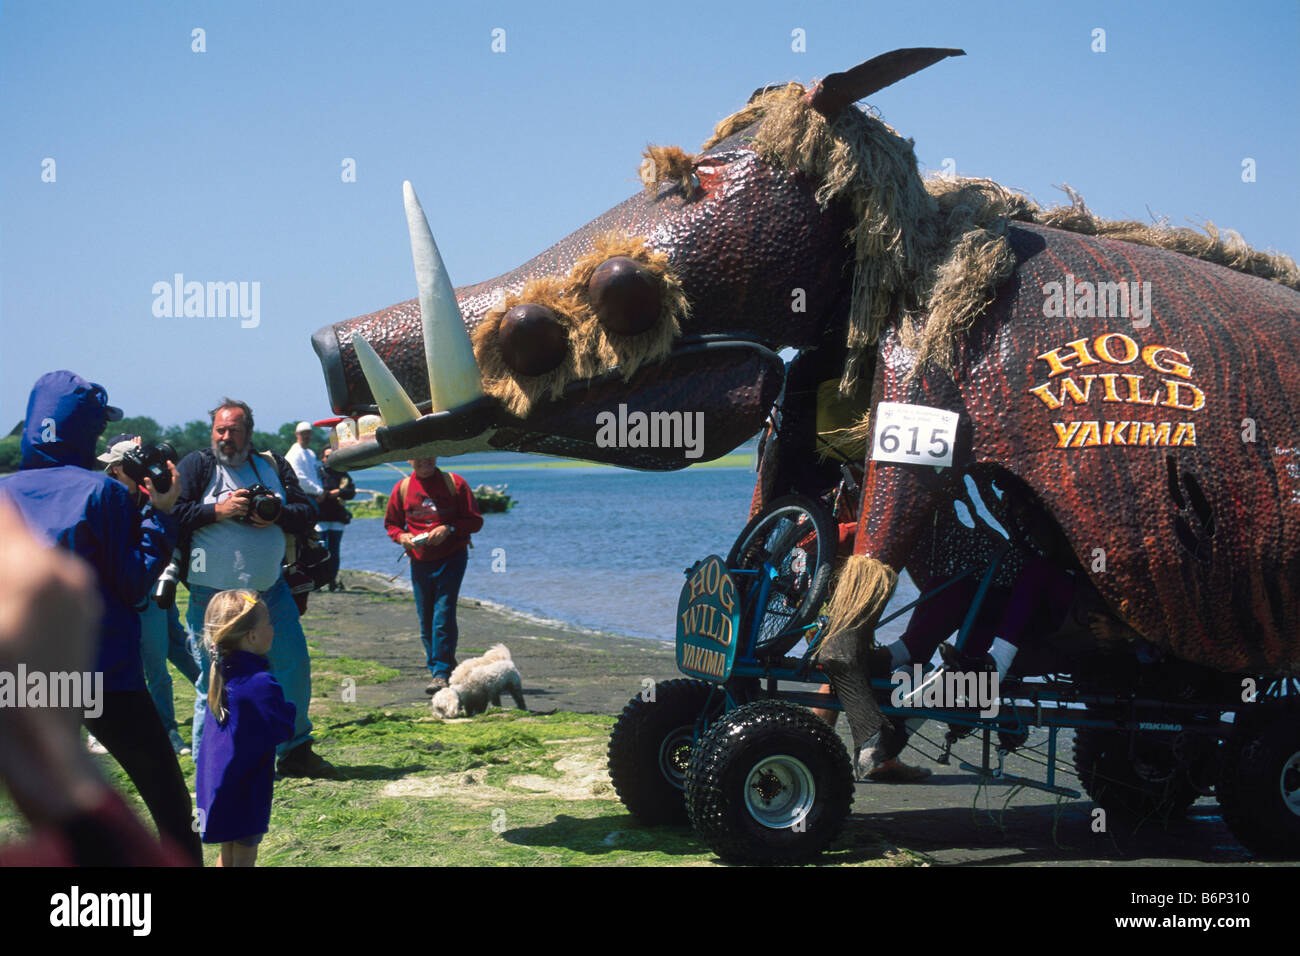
point(600, 548)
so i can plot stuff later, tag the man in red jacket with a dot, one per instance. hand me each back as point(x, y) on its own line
point(431, 514)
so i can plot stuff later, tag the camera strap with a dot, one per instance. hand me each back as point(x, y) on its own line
point(291, 543)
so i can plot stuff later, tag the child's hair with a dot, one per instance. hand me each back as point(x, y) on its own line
point(231, 616)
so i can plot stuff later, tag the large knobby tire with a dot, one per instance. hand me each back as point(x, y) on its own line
point(1259, 787)
point(1129, 788)
point(769, 783)
point(795, 535)
point(650, 747)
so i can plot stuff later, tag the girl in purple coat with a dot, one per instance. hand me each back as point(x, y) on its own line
point(247, 717)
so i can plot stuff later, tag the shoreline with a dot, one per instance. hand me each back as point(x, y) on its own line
point(563, 666)
point(381, 584)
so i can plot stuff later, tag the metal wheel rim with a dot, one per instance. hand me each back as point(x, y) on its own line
point(774, 520)
point(1288, 783)
point(675, 754)
point(780, 611)
point(780, 792)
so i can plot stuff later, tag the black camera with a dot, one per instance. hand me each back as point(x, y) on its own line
point(263, 502)
point(311, 569)
point(150, 461)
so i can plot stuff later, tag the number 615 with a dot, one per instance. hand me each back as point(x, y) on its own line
point(889, 441)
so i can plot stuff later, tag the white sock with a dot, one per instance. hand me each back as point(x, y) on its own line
point(1003, 654)
point(898, 654)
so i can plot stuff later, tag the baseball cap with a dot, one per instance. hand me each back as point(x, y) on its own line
point(302, 427)
point(117, 450)
point(111, 412)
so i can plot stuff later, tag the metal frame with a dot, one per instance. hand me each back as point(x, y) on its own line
point(1023, 704)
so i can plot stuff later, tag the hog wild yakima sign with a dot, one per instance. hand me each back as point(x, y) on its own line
point(708, 621)
point(1085, 362)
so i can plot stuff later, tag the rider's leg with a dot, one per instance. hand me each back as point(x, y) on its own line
point(1039, 582)
point(930, 623)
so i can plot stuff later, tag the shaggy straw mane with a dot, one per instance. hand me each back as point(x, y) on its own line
point(935, 251)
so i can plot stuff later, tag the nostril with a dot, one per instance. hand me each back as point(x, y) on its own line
point(625, 295)
point(531, 339)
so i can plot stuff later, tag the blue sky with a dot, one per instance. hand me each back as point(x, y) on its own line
point(225, 165)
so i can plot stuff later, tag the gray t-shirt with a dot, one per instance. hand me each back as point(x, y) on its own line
point(235, 554)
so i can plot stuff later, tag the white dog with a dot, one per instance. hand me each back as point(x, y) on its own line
point(476, 682)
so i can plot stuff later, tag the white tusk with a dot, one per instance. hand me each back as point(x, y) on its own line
point(394, 404)
point(445, 338)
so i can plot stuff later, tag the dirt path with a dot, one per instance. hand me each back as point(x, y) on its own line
point(562, 668)
point(947, 820)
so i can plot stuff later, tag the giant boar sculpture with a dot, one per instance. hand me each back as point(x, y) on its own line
point(1139, 382)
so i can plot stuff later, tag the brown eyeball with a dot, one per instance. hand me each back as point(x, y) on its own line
point(531, 339)
point(625, 295)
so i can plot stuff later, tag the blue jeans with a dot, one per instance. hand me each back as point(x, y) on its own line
point(162, 639)
point(333, 540)
point(290, 664)
point(437, 585)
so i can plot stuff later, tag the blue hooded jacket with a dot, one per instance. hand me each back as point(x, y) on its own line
point(89, 513)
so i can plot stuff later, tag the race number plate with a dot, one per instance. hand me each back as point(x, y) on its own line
point(914, 434)
point(708, 620)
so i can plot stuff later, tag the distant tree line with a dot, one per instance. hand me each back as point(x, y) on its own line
point(184, 438)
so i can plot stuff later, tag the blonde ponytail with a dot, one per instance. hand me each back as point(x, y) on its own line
point(230, 617)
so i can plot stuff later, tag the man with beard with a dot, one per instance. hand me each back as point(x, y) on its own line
point(234, 542)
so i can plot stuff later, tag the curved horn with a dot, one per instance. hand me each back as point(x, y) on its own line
point(394, 404)
point(840, 89)
point(457, 380)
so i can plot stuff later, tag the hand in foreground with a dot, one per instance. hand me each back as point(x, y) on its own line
point(49, 608)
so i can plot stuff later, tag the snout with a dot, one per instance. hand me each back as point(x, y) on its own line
point(634, 312)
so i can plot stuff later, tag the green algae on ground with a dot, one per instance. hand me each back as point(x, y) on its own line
point(328, 674)
point(506, 788)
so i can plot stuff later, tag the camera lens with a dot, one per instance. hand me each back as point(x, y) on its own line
point(267, 507)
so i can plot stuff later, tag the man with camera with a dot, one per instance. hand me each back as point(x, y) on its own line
point(236, 508)
point(162, 637)
point(61, 493)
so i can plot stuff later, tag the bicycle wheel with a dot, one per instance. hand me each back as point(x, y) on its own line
point(797, 539)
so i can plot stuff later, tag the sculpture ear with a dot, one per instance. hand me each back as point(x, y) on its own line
point(840, 89)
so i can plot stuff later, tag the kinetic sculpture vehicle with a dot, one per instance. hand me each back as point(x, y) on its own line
point(1135, 387)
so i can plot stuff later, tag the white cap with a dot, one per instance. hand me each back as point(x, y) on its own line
point(302, 427)
point(117, 452)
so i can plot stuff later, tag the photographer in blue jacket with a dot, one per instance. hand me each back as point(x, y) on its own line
point(60, 492)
